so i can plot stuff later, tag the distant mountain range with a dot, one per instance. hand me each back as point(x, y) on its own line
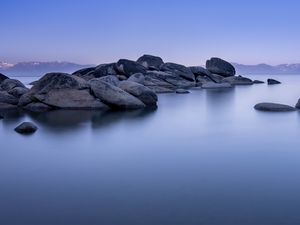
point(40, 68)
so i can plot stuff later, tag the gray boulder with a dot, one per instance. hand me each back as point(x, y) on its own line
point(111, 79)
point(272, 81)
point(83, 71)
point(18, 91)
point(138, 78)
point(26, 128)
point(238, 80)
point(128, 67)
point(70, 99)
point(178, 70)
point(7, 98)
point(202, 80)
point(161, 90)
point(273, 107)
point(166, 79)
point(213, 85)
point(220, 66)
point(26, 99)
point(38, 107)
point(199, 71)
point(3, 77)
point(150, 62)
point(105, 70)
point(146, 95)
point(113, 96)
point(182, 91)
point(9, 84)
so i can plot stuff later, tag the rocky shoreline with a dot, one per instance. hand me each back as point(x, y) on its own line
point(124, 85)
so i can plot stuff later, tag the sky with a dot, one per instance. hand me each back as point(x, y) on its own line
point(182, 31)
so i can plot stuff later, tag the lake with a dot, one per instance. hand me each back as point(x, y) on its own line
point(202, 158)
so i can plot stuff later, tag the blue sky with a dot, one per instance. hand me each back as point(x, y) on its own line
point(187, 31)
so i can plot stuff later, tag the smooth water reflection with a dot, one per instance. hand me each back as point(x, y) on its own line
point(203, 158)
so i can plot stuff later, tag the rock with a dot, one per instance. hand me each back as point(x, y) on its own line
point(238, 80)
point(33, 83)
point(1, 117)
point(212, 85)
point(113, 96)
point(161, 90)
point(83, 71)
point(18, 91)
point(272, 81)
point(38, 107)
point(199, 71)
point(128, 67)
point(166, 79)
point(6, 106)
point(121, 77)
point(220, 67)
point(26, 128)
point(202, 80)
point(273, 107)
point(111, 79)
point(298, 104)
point(26, 99)
point(182, 91)
point(3, 77)
point(138, 78)
point(216, 78)
point(150, 62)
point(178, 70)
point(146, 95)
point(105, 70)
point(9, 84)
point(70, 99)
point(7, 98)
point(58, 81)
point(258, 82)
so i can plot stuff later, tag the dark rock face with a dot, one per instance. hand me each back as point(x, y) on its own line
point(18, 91)
point(111, 79)
point(216, 78)
point(258, 82)
point(58, 81)
point(38, 107)
point(83, 71)
point(146, 95)
point(178, 70)
point(128, 67)
point(272, 81)
point(7, 98)
point(3, 77)
point(273, 107)
point(138, 78)
point(220, 66)
point(1, 117)
point(26, 128)
point(150, 62)
point(199, 71)
point(9, 84)
point(113, 96)
point(26, 99)
point(70, 99)
point(238, 80)
point(105, 70)
point(182, 91)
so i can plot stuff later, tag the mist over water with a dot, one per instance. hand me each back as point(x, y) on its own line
point(202, 158)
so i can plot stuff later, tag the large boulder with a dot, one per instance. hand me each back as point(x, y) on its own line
point(146, 95)
point(273, 107)
point(58, 81)
point(111, 79)
point(70, 99)
point(3, 77)
point(178, 70)
point(9, 84)
point(238, 80)
point(105, 70)
point(18, 91)
point(150, 62)
point(220, 66)
point(26, 99)
point(83, 71)
point(199, 71)
point(273, 81)
point(7, 98)
point(128, 67)
point(138, 78)
point(26, 128)
point(113, 96)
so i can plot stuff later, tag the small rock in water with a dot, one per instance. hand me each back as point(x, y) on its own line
point(182, 91)
point(258, 82)
point(26, 128)
point(272, 81)
point(273, 107)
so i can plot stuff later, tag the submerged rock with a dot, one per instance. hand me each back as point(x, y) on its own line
point(212, 85)
point(150, 62)
point(113, 96)
point(272, 81)
point(273, 107)
point(220, 66)
point(26, 128)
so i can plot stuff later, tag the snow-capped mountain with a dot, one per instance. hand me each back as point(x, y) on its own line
point(267, 69)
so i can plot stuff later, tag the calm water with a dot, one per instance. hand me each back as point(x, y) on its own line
point(203, 158)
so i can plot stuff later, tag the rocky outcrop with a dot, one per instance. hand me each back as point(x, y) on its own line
point(273, 81)
point(26, 128)
point(178, 71)
point(151, 62)
point(220, 67)
point(127, 67)
point(18, 91)
point(111, 79)
point(138, 78)
point(273, 107)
